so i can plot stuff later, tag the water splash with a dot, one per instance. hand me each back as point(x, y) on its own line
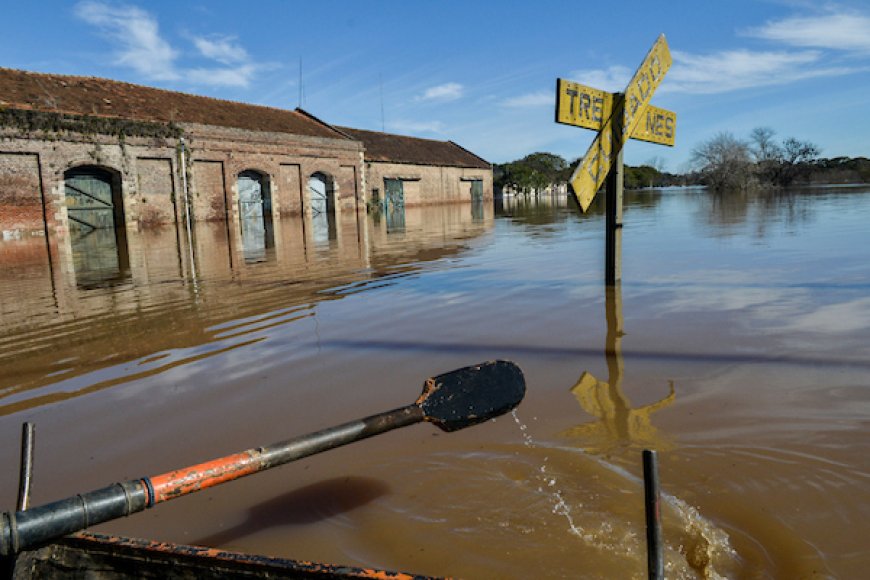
point(696, 546)
point(560, 506)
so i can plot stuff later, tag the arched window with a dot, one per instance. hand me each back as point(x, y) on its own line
point(321, 200)
point(255, 215)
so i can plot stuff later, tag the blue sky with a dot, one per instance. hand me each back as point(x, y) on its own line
point(480, 73)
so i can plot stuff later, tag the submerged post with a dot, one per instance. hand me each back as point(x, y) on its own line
point(25, 476)
point(613, 201)
point(652, 501)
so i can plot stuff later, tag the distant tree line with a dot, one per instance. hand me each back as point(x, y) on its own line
point(724, 162)
point(539, 171)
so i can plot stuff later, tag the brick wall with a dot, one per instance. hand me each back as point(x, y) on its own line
point(20, 196)
point(150, 181)
point(427, 185)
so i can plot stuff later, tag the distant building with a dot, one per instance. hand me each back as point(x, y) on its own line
point(81, 153)
point(415, 171)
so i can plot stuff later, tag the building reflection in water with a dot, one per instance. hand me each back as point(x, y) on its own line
point(169, 306)
point(617, 424)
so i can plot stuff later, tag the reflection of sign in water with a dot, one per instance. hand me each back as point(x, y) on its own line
point(618, 423)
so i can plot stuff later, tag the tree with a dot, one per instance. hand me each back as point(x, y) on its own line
point(724, 162)
point(767, 154)
point(640, 177)
point(535, 171)
point(796, 159)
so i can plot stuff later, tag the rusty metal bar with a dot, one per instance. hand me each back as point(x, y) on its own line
point(25, 475)
point(652, 502)
point(451, 401)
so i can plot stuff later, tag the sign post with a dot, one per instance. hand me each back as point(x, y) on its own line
point(616, 117)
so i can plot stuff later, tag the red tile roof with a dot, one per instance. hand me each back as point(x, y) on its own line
point(107, 98)
point(390, 148)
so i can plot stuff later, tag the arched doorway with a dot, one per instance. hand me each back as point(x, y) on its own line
point(255, 215)
point(321, 200)
point(98, 237)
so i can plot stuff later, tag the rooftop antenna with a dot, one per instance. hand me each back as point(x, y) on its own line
point(301, 92)
point(381, 82)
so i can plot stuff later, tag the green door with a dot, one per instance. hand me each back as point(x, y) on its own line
point(394, 205)
point(477, 199)
point(96, 225)
point(90, 202)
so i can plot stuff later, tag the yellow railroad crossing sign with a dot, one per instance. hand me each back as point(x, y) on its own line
point(625, 115)
point(586, 107)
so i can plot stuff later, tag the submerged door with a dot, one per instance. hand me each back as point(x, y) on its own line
point(394, 205)
point(255, 215)
point(96, 227)
point(477, 199)
point(322, 203)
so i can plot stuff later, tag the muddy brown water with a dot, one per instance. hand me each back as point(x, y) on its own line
point(738, 345)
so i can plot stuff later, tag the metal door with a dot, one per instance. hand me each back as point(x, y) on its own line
point(96, 222)
point(394, 204)
point(477, 199)
point(89, 200)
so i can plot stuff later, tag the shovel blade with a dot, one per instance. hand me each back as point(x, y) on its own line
point(472, 395)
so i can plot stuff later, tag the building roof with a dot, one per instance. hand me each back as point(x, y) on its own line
point(390, 148)
point(107, 98)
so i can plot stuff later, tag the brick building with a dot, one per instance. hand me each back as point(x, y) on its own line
point(414, 171)
point(80, 153)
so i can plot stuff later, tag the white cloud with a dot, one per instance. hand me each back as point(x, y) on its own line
point(612, 79)
point(837, 31)
point(138, 37)
point(445, 92)
point(141, 47)
point(740, 69)
point(239, 76)
point(405, 126)
point(538, 99)
point(222, 49)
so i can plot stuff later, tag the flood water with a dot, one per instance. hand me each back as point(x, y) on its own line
point(738, 345)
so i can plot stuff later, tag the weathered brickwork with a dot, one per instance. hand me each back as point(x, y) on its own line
point(20, 196)
point(156, 191)
point(151, 182)
point(427, 185)
point(287, 192)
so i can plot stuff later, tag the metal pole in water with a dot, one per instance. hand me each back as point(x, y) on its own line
point(652, 503)
point(187, 212)
point(613, 203)
point(25, 477)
